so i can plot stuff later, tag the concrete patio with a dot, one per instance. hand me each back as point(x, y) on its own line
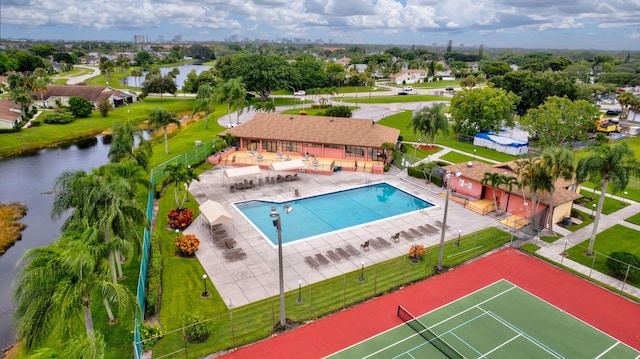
point(256, 276)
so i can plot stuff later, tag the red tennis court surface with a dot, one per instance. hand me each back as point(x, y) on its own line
point(602, 309)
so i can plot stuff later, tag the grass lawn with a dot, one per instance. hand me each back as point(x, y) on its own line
point(616, 238)
point(182, 283)
point(393, 99)
point(430, 85)
point(635, 219)
point(610, 204)
point(34, 138)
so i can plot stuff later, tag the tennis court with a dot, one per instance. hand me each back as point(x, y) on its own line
point(500, 320)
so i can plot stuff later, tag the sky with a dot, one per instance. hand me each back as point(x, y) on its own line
point(535, 24)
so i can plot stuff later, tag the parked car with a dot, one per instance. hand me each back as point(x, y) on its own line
point(407, 88)
point(237, 123)
point(299, 93)
point(449, 89)
point(402, 93)
point(614, 112)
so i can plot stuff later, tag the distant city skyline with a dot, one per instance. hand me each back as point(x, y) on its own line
point(534, 24)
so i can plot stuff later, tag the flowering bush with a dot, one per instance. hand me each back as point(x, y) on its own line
point(303, 112)
point(416, 251)
point(180, 218)
point(149, 334)
point(187, 244)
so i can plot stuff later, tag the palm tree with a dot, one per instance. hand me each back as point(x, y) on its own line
point(162, 118)
point(429, 120)
point(494, 180)
point(39, 83)
point(625, 100)
point(556, 162)
point(54, 289)
point(125, 136)
point(613, 165)
point(232, 91)
point(181, 175)
point(509, 182)
point(22, 96)
point(526, 172)
point(205, 101)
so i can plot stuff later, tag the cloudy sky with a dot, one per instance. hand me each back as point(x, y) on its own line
point(558, 24)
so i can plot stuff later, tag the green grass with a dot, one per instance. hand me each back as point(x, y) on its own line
point(394, 99)
point(635, 219)
point(616, 238)
point(34, 138)
point(610, 205)
point(182, 283)
point(551, 239)
point(586, 220)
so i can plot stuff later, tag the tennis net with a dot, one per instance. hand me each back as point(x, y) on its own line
point(427, 334)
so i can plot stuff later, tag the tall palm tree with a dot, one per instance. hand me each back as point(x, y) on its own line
point(526, 171)
point(54, 289)
point(125, 136)
point(182, 176)
point(625, 100)
point(613, 165)
point(494, 180)
point(160, 117)
point(509, 182)
point(557, 162)
point(205, 101)
point(233, 91)
point(429, 120)
point(137, 74)
point(22, 96)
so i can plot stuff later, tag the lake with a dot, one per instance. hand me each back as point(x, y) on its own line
point(180, 79)
point(29, 179)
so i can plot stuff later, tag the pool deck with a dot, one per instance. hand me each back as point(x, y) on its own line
point(255, 277)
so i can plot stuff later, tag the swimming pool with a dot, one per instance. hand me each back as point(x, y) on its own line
point(332, 211)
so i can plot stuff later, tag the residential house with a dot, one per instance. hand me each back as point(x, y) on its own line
point(410, 76)
point(10, 114)
point(93, 94)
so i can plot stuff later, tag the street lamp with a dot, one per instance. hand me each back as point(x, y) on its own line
point(459, 233)
point(205, 294)
point(444, 219)
point(474, 154)
point(274, 214)
point(593, 208)
point(362, 278)
point(625, 197)
point(299, 292)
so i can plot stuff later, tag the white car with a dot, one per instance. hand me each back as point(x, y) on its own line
point(237, 123)
point(299, 93)
point(407, 88)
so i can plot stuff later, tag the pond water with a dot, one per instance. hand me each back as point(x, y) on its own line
point(29, 179)
point(180, 79)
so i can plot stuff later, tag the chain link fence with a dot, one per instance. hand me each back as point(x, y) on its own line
point(257, 321)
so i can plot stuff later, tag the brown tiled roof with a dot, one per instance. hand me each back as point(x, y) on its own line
point(316, 129)
point(5, 110)
point(89, 93)
point(478, 169)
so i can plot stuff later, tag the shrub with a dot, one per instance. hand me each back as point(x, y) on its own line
point(149, 334)
point(57, 118)
point(416, 252)
point(35, 123)
point(180, 218)
point(196, 331)
point(187, 244)
point(80, 107)
point(338, 111)
point(154, 281)
point(619, 261)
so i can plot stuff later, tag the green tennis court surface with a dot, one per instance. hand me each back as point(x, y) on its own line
point(498, 321)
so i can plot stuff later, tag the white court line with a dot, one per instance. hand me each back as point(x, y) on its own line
point(608, 349)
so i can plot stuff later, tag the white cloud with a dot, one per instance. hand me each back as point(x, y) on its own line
point(363, 20)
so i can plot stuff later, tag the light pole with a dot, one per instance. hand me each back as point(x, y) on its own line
point(205, 294)
point(625, 197)
point(276, 222)
point(459, 233)
point(299, 292)
point(362, 278)
point(593, 208)
point(444, 218)
point(474, 154)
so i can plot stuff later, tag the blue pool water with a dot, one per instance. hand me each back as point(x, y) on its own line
point(333, 211)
